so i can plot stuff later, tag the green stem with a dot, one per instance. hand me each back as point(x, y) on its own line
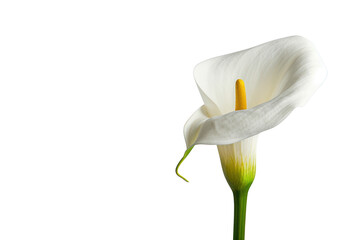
point(240, 198)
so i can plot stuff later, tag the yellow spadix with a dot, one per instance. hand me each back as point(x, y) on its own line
point(240, 95)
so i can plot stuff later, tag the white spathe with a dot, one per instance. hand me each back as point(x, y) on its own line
point(279, 76)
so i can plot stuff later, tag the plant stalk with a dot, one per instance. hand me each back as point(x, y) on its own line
point(240, 198)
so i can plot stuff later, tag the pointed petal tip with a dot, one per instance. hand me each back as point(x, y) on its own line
point(177, 172)
point(181, 160)
point(182, 177)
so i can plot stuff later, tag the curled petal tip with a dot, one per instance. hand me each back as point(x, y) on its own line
point(182, 177)
point(182, 159)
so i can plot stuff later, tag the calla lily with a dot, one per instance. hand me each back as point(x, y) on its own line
point(279, 76)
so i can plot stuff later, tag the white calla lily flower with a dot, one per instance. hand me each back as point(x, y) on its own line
point(279, 76)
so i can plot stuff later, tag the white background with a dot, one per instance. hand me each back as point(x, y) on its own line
point(93, 98)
